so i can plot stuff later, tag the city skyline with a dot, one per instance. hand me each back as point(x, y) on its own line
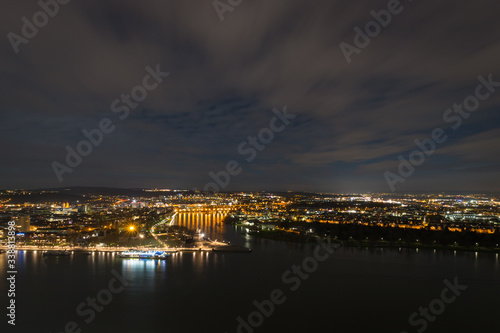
point(250, 166)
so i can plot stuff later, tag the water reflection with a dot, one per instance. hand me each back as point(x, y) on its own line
point(211, 224)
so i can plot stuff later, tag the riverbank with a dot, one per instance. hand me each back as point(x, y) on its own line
point(288, 236)
point(212, 247)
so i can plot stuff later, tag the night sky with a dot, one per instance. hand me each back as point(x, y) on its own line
point(352, 120)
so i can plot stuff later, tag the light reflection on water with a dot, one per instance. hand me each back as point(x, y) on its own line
point(211, 224)
point(215, 288)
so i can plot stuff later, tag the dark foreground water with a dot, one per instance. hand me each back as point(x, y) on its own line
point(354, 290)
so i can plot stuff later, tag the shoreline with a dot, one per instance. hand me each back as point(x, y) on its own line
point(216, 249)
point(296, 238)
point(420, 246)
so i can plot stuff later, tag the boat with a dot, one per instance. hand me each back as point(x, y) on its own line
point(136, 254)
point(58, 253)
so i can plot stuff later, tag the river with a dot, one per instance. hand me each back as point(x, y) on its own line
point(348, 290)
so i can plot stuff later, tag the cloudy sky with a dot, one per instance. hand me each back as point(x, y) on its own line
point(353, 120)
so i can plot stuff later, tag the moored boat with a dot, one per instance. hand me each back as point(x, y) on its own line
point(144, 254)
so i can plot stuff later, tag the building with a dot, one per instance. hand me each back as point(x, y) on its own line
point(24, 222)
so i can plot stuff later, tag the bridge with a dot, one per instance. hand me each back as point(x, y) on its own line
point(200, 208)
point(208, 219)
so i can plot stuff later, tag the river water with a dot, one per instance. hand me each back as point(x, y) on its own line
point(351, 290)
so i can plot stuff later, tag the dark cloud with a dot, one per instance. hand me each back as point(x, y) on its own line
point(353, 120)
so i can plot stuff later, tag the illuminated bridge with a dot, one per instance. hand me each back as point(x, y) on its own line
point(209, 221)
point(199, 208)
